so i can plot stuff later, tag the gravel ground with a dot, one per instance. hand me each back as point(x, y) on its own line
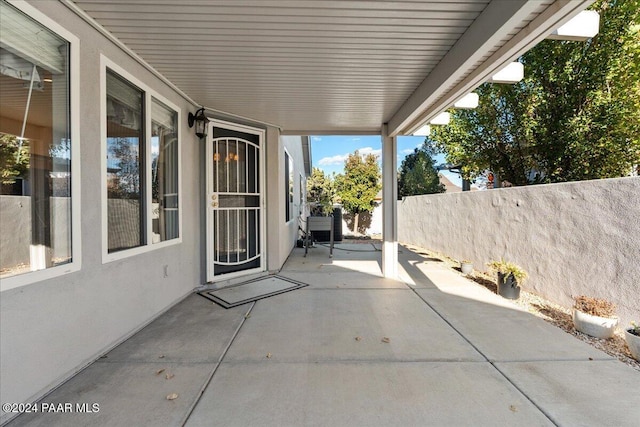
point(555, 314)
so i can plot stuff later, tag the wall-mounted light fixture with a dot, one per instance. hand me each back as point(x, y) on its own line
point(200, 121)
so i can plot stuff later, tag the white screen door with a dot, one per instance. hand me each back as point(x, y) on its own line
point(234, 208)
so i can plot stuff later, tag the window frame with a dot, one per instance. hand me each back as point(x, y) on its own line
point(150, 167)
point(303, 194)
point(289, 180)
point(74, 117)
point(149, 94)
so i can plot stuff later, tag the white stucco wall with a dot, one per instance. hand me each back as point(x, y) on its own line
point(572, 238)
point(282, 235)
point(52, 328)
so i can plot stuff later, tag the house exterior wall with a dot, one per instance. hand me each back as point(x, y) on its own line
point(275, 211)
point(579, 238)
point(53, 328)
point(283, 239)
point(293, 145)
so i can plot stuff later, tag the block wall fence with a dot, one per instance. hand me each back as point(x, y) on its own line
point(579, 238)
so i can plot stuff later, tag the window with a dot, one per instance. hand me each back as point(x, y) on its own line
point(301, 195)
point(38, 192)
point(125, 164)
point(164, 172)
point(142, 168)
point(288, 186)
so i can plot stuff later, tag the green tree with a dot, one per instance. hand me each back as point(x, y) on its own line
point(320, 192)
point(358, 186)
point(14, 158)
point(575, 116)
point(418, 173)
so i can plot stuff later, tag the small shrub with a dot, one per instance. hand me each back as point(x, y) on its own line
point(634, 329)
point(507, 268)
point(595, 306)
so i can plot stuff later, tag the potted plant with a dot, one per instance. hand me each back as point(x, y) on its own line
point(594, 316)
point(632, 335)
point(510, 276)
point(466, 267)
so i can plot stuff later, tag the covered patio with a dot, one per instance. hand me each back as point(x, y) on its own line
point(330, 67)
point(352, 349)
point(381, 336)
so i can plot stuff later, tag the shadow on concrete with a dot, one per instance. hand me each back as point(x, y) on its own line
point(353, 348)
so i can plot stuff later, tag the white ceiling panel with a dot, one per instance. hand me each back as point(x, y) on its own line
point(314, 65)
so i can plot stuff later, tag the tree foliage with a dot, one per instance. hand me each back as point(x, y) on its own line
point(358, 186)
point(14, 158)
point(418, 174)
point(575, 115)
point(124, 162)
point(320, 192)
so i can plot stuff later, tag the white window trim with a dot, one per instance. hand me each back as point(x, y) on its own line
point(148, 93)
point(74, 87)
point(302, 197)
point(291, 203)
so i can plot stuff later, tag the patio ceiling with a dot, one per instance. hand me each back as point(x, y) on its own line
point(328, 67)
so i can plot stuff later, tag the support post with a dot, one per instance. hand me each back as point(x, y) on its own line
point(389, 204)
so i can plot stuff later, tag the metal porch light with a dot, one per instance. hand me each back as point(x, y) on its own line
point(200, 121)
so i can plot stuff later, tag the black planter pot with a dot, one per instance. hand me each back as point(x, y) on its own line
point(508, 286)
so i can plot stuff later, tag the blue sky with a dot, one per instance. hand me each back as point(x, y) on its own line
point(330, 152)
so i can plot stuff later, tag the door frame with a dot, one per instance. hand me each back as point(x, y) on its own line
point(210, 227)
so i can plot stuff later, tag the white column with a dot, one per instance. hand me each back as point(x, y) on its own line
point(389, 204)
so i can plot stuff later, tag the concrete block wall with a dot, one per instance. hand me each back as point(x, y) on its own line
point(579, 238)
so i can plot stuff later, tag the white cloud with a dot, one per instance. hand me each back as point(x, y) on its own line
point(316, 139)
point(339, 159)
point(368, 150)
point(407, 151)
point(333, 160)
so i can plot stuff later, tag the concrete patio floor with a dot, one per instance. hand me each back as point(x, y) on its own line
point(457, 355)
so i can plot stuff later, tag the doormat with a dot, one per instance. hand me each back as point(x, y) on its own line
point(252, 290)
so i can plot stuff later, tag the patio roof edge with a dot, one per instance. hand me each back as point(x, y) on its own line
point(432, 97)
